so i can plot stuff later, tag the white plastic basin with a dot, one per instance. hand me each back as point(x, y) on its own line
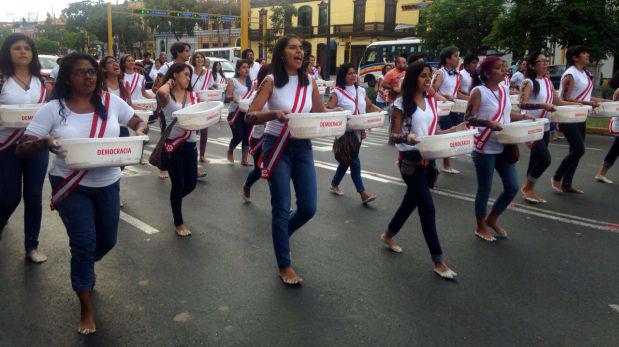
point(210, 95)
point(144, 115)
point(244, 103)
point(148, 104)
point(570, 113)
point(87, 153)
point(446, 145)
point(606, 110)
point(18, 116)
point(522, 131)
point(323, 83)
point(314, 125)
point(199, 116)
point(515, 100)
point(459, 106)
point(366, 121)
point(444, 108)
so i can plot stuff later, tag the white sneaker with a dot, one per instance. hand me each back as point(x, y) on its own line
point(336, 191)
point(448, 274)
point(603, 179)
point(36, 256)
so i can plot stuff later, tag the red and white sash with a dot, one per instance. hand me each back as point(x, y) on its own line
point(205, 82)
point(348, 96)
point(232, 120)
point(172, 144)
point(67, 185)
point(581, 96)
point(434, 106)
point(611, 124)
point(134, 83)
point(255, 144)
point(547, 101)
point(482, 139)
point(17, 133)
point(268, 165)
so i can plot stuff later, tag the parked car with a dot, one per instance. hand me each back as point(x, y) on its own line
point(48, 62)
point(227, 66)
point(556, 71)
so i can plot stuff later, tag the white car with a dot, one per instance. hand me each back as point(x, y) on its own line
point(227, 66)
point(48, 62)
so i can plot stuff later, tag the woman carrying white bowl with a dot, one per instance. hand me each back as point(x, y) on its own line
point(21, 83)
point(134, 82)
point(287, 90)
point(488, 109)
point(201, 79)
point(180, 156)
point(349, 96)
point(613, 129)
point(239, 87)
point(87, 200)
point(415, 114)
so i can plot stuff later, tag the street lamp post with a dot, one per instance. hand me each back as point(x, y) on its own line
point(328, 48)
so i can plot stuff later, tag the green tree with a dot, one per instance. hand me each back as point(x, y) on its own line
point(4, 33)
point(281, 17)
point(463, 23)
point(178, 27)
point(47, 46)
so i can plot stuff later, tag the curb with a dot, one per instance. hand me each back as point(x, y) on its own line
point(598, 131)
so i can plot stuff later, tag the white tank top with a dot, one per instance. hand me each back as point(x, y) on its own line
point(613, 126)
point(421, 123)
point(346, 98)
point(450, 82)
point(172, 106)
point(240, 90)
point(582, 84)
point(543, 97)
point(13, 94)
point(488, 108)
point(133, 84)
point(284, 99)
point(466, 81)
point(202, 81)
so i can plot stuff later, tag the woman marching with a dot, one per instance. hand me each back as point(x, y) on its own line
point(349, 96)
point(488, 109)
point(287, 90)
point(467, 73)
point(88, 201)
point(415, 114)
point(380, 91)
point(576, 86)
point(21, 83)
point(219, 79)
point(256, 137)
point(538, 98)
point(133, 81)
point(613, 129)
point(239, 87)
point(202, 79)
point(180, 155)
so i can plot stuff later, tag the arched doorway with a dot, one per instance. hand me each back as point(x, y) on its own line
point(307, 49)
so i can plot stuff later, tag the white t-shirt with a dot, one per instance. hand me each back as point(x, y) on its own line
point(13, 94)
point(134, 83)
point(449, 85)
point(582, 84)
point(240, 90)
point(47, 121)
point(153, 73)
point(466, 81)
point(173, 106)
point(488, 108)
point(253, 71)
point(350, 92)
point(544, 96)
point(202, 81)
point(422, 122)
point(284, 99)
point(165, 67)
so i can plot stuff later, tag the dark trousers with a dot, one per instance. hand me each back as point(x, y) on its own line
point(203, 140)
point(575, 134)
point(540, 158)
point(254, 175)
point(181, 165)
point(91, 217)
point(418, 196)
point(23, 177)
point(240, 133)
point(613, 152)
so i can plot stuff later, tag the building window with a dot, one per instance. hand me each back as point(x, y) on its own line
point(359, 15)
point(322, 17)
point(206, 45)
point(304, 15)
point(390, 13)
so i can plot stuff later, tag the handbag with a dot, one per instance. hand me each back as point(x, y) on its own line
point(155, 158)
point(346, 147)
point(511, 153)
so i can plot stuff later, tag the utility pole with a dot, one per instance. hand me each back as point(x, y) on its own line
point(328, 50)
point(110, 48)
point(244, 24)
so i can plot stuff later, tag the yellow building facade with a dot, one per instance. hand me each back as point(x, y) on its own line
point(354, 25)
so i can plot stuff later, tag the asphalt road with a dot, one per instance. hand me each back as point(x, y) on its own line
point(553, 282)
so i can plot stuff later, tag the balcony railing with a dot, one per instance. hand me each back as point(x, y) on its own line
point(344, 30)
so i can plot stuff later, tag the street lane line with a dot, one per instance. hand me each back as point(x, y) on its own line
point(138, 223)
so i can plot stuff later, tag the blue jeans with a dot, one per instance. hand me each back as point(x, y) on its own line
point(182, 167)
point(575, 134)
point(355, 174)
point(91, 217)
point(32, 171)
point(254, 175)
point(485, 164)
point(240, 133)
point(296, 164)
point(418, 196)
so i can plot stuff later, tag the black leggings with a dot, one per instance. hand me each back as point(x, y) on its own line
point(575, 134)
point(181, 165)
point(240, 133)
point(613, 152)
point(540, 158)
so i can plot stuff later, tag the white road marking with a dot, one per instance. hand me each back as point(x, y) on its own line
point(614, 307)
point(138, 223)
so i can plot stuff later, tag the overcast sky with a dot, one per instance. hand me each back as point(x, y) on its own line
point(16, 9)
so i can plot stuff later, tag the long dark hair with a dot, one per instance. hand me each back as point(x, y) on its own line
point(214, 72)
point(239, 64)
point(574, 52)
point(177, 68)
point(263, 73)
point(410, 86)
point(193, 58)
point(123, 62)
point(530, 73)
point(62, 89)
point(342, 71)
point(124, 93)
point(280, 75)
point(6, 65)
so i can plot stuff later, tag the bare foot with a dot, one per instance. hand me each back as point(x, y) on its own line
point(163, 174)
point(501, 233)
point(390, 243)
point(529, 195)
point(201, 174)
point(247, 194)
point(182, 230)
point(204, 160)
point(366, 197)
point(230, 156)
point(484, 234)
point(556, 185)
point(86, 325)
point(289, 276)
point(573, 190)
